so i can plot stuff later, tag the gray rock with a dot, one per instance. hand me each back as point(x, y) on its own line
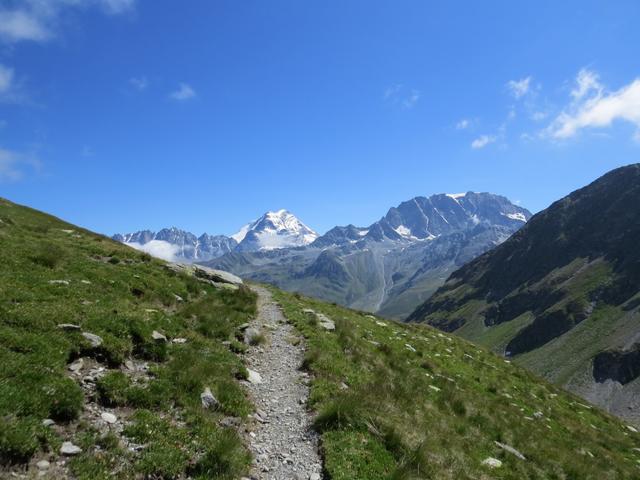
point(69, 448)
point(230, 422)
point(43, 465)
point(219, 276)
point(254, 377)
point(158, 337)
point(510, 449)
point(492, 462)
point(208, 400)
point(76, 366)
point(59, 282)
point(93, 339)
point(47, 422)
point(250, 334)
point(179, 340)
point(68, 326)
point(109, 417)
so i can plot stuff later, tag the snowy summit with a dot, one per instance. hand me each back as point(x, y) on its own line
point(280, 229)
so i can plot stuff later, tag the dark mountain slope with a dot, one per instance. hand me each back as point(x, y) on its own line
point(561, 291)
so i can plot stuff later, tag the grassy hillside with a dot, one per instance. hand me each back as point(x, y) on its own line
point(562, 295)
point(409, 402)
point(53, 274)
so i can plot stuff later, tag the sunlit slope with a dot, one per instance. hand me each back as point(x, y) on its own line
point(408, 401)
point(113, 350)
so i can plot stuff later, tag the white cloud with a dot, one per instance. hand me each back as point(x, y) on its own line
point(482, 141)
point(519, 88)
point(593, 107)
point(18, 25)
point(12, 164)
point(6, 79)
point(11, 90)
point(184, 92)
point(36, 20)
point(158, 248)
point(586, 82)
point(139, 83)
point(463, 124)
point(400, 95)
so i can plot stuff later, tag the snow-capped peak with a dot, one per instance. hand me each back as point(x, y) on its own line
point(455, 196)
point(276, 229)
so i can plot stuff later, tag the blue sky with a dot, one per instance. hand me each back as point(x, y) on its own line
point(127, 114)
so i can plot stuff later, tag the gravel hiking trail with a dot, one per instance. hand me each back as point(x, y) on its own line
point(280, 437)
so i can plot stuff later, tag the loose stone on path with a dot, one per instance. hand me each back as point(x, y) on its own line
point(281, 439)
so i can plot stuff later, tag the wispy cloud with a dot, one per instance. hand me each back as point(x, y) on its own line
point(139, 83)
point(19, 25)
point(13, 164)
point(519, 88)
point(402, 96)
point(10, 88)
point(184, 92)
point(6, 79)
point(592, 106)
point(539, 116)
point(587, 81)
point(463, 124)
point(482, 141)
point(117, 6)
point(36, 20)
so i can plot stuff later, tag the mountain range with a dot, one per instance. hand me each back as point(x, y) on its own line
point(388, 267)
point(393, 264)
point(272, 230)
point(562, 295)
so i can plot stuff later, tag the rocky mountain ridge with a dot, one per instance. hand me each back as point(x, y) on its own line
point(395, 263)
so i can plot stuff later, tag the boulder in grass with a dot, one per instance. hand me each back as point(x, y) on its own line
point(492, 462)
point(511, 450)
point(68, 326)
point(93, 339)
point(158, 337)
point(208, 400)
point(70, 449)
point(251, 335)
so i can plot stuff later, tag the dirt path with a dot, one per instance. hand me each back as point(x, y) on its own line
point(283, 445)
